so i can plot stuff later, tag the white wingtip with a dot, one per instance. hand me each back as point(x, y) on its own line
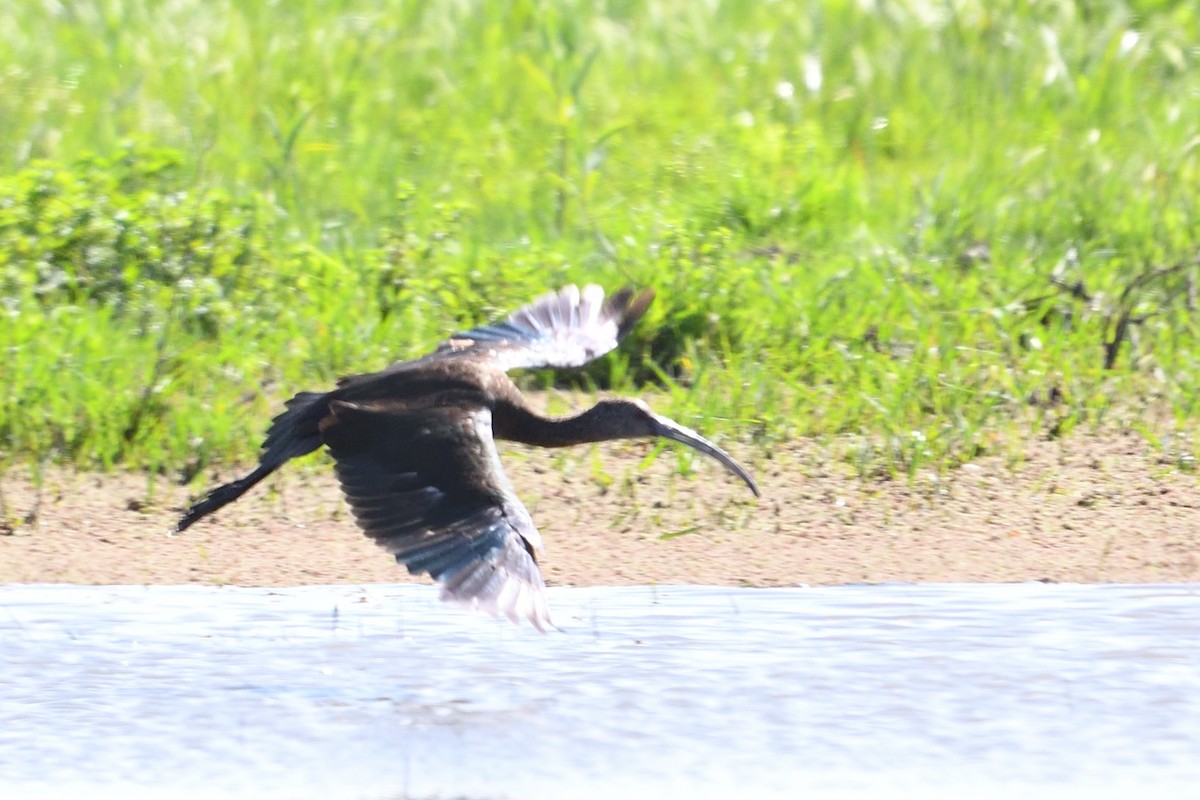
point(523, 603)
point(511, 586)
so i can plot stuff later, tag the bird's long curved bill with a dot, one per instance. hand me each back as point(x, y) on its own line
point(669, 429)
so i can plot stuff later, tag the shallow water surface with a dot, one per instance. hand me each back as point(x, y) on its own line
point(381, 692)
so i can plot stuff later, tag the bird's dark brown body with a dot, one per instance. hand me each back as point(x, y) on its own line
point(414, 445)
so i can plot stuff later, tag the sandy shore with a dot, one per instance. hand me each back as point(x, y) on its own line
point(1090, 509)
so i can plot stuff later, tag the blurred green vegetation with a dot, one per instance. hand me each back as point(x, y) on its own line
point(922, 230)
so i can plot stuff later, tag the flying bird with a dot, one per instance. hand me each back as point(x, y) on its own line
point(414, 445)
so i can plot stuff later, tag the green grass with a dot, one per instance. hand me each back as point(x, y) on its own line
point(922, 229)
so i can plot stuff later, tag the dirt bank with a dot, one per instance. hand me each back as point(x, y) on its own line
point(1095, 509)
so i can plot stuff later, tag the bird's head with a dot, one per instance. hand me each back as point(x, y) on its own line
point(622, 418)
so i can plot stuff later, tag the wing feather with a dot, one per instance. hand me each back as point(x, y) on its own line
point(567, 328)
point(428, 487)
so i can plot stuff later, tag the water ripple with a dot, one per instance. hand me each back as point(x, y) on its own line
point(381, 692)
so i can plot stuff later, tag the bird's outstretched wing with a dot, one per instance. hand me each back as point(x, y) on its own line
point(427, 486)
point(567, 328)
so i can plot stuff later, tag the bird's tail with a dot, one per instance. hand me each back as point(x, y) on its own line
point(222, 496)
point(292, 433)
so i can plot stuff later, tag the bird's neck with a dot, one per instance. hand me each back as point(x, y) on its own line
point(520, 424)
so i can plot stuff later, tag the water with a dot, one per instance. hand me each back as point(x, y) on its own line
point(381, 692)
